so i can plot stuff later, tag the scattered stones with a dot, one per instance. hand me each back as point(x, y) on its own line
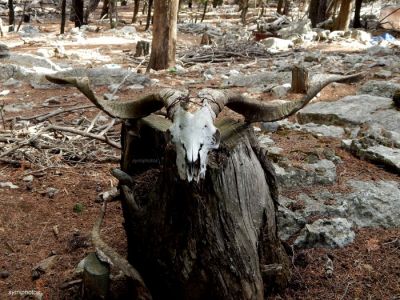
point(8, 184)
point(28, 178)
point(383, 74)
point(51, 192)
point(379, 88)
point(281, 91)
point(12, 82)
point(260, 79)
point(326, 233)
point(351, 111)
point(107, 76)
point(321, 172)
point(275, 44)
point(369, 204)
point(43, 266)
point(108, 195)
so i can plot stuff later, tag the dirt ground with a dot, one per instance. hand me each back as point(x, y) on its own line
point(35, 225)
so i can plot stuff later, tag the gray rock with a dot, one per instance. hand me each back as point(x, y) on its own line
point(353, 110)
point(289, 223)
point(281, 91)
point(381, 88)
point(28, 178)
point(374, 204)
point(32, 61)
point(260, 79)
point(18, 107)
point(383, 74)
point(361, 35)
point(326, 233)
point(12, 82)
point(106, 76)
point(323, 130)
point(322, 172)
point(270, 126)
point(276, 44)
point(46, 264)
point(379, 154)
point(8, 71)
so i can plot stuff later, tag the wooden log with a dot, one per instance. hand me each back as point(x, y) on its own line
point(300, 81)
point(210, 240)
point(96, 278)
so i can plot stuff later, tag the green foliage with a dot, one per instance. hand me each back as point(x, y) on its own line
point(78, 208)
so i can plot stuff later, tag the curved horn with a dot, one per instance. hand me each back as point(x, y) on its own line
point(257, 111)
point(125, 110)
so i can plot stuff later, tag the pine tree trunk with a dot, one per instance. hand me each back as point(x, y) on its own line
point(135, 11)
point(212, 240)
point(148, 20)
point(342, 22)
point(11, 15)
point(104, 9)
point(317, 11)
point(357, 14)
point(164, 34)
point(77, 8)
point(63, 8)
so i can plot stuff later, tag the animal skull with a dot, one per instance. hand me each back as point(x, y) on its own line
point(194, 135)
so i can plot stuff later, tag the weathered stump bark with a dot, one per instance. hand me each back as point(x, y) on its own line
point(142, 48)
point(300, 81)
point(212, 240)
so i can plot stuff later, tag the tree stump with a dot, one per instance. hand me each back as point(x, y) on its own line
point(300, 81)
point(213, 240)
point(96, 278)
point(142, 48)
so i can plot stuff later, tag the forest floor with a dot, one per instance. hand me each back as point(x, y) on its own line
point(35, 224)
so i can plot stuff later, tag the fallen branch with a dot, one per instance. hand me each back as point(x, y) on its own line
point(104, 139)
point(116, 259)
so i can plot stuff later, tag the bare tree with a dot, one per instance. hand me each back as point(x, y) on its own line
point(243, 8)
point(163, 47)
point(77, 11)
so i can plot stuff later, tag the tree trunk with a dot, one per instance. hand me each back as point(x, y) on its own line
point(104, 9)
point(92, 6)
point(357, 14)
point(163, 46)
point(11, 15)
point(77, 8)
point(243, 7)
point(63, 8)
point(212, 240)
point(279, 7)
point(317, 11)
point(204, 11)
point(288, 7)
point(148, 20)
point(342, 22)
point(135, 11)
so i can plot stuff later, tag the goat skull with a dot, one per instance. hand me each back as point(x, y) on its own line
point(194, 134)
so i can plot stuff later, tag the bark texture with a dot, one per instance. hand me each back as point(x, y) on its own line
point(342, 22)
point(164, 34)
point(212, 240)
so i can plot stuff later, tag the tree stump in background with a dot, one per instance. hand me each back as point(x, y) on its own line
point(300, 81)
point(142, 48)
point(213, 240)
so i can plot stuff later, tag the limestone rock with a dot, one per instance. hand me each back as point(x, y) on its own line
point(326, 233)
point(381, 88)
